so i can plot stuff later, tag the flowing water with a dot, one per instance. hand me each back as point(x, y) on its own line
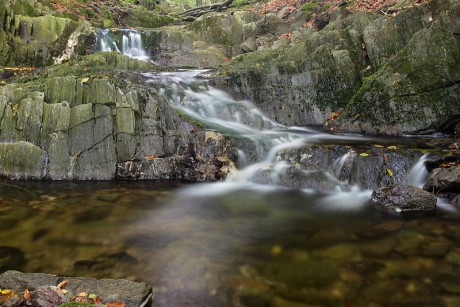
point(241, 242)
point(126, 41)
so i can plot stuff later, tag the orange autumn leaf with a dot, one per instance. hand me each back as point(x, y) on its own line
point(115, 304)
point(151, 157)
point(27, 294)
point(62, 284)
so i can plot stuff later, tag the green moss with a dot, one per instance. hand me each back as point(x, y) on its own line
point(190, 119)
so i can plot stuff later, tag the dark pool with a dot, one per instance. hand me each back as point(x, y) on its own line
point(232, 245)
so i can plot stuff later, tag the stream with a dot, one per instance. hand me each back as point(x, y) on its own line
point(254, 239)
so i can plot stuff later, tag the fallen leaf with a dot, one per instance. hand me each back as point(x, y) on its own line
point(62, 284)
point(84, 294)
point(363, 154)
point(391, 147)
point(115, 304)
point(27, 294)
point(97, 300)
point(5, 291)
point(151, 157)
point(378, 146)
point(389, 172)
point(84, 80)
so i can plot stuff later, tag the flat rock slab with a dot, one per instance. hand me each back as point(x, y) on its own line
point(403, 199)
point(132, 294)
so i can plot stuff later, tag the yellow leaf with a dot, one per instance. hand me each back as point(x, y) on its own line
point(391, 147)
point(363, 154)
point(378, 146)
point(83, 294)
point(389, 172)
point(276, 250)
point(5, 291)
point(84, 80)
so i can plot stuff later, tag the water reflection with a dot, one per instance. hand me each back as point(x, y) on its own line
point(247, 246)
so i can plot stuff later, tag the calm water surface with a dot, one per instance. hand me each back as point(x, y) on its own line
point(233, 245)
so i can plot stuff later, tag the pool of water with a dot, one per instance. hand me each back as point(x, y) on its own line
point(227, 244)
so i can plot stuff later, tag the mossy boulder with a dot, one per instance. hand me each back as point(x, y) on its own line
point(140, 17)
point(28, 38)
point(415, 91)
point(22, 160)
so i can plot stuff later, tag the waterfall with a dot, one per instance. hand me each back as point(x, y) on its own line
point(126, 41)
point(190, 94)
point(418, 174)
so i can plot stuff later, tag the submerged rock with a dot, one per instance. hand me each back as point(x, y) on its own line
point(11, 258)
point(403, 199)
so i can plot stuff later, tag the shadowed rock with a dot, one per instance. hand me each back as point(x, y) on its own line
point(403, 199)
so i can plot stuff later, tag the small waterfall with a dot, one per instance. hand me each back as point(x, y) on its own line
point(418, 174)
point(126, 41)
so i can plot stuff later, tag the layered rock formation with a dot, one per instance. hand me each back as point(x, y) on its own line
point(390, 74)
point(77, 124)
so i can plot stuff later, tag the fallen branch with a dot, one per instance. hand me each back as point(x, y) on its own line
point(198, 11)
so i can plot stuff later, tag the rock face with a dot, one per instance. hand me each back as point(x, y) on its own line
point(28, 38)
point(404, 66)
point(444, 181)
point(132, 294)
point(99, 127)
point(403, 199)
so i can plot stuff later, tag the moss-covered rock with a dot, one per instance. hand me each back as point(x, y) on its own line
point(87, 123)
point(22, 160)
point(414, 92)
point(30, 36)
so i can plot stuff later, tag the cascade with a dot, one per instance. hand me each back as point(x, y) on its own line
point(190, 94)
point(126, 41)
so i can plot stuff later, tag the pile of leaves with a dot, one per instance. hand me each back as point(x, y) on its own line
point(8, 73)
point(52, 296)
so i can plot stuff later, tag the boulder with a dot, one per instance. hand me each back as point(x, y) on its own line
point(444, 181)
point(403, 200)
point(456, 201)
point(132, 294)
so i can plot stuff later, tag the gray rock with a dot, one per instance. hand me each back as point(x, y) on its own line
point(131, 293)
point(456, 201)
point(22, 160)
point(444, 181)
point(403, 199)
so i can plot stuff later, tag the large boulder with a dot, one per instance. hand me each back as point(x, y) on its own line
point(403, 199)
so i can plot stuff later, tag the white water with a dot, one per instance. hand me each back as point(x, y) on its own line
point(418, 174)
point(130, 45)
point(189, 93)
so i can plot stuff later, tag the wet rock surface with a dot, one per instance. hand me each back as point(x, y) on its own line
point(403, 199)
point(45, 293)
point(444, 181)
